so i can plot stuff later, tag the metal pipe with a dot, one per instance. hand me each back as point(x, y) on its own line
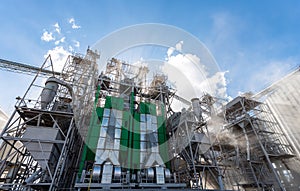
point(36, 175)
point(269, 161)
point(196, 108)
point(247, 144)
point(50, 90)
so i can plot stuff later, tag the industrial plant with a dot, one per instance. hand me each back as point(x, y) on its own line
point(80, 129)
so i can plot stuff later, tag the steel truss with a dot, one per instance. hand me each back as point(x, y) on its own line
point(259, 145)
point(41, 144)
point(131, 84)
point(195, 158)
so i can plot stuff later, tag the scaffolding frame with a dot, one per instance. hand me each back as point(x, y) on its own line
point(40, 145)
point(196, 159)
point(122, 80)
point(260, 143)
point(202, 158)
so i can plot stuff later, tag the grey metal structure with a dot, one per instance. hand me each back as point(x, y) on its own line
point(126, 135)
point(25, 68)
point(260, 145)
point(192, 145)
point(41, 141)
point(282, 97)
point(117, 130)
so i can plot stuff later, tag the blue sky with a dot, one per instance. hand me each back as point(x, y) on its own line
point(257, 42)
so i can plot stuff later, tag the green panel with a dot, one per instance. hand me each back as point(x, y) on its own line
point(93, 143)
point(117, 103)
point(126, 115)
point(136, 129)
point(83, 158)
point(123, 155)
point(163, 150)
point(97, 95)
point(100, 111)
point(144, 108)
point(163, 109)
point(90, 155)
point(135, 159)
point(124, 144)
point(168, 165)
point(137, 117)
point(136, 145)
point(161, 129)
point(94, 129)
point(125, 128)
point(132, 102)
point(136, 136)
point(93, 136)
point(162, 138)
point(108, 102)
point(124, 134)
point(136, 126)
point(160, 120)
point(126, 120)
point(152, 109)
point(130, 128)
point(114, 102)
point(87, 155)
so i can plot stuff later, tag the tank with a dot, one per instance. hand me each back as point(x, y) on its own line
point(49, 92)
point(196, 107)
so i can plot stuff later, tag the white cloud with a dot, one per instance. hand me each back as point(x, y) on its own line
point(225, 27)
point(270, 73)
point(71, 20)
point(63, 45)
point(170, 51)
point(47, 36)
point(215, 85)
point(59, 56)
point(178, 46)
point(71, 49)
point(76, 43)
point(191, 77)
point(74, 26)
point(60, 41)
point(57, 27)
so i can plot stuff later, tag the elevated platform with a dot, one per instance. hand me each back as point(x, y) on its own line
point(135, 186)
point(239, 102)
point(33, 116)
